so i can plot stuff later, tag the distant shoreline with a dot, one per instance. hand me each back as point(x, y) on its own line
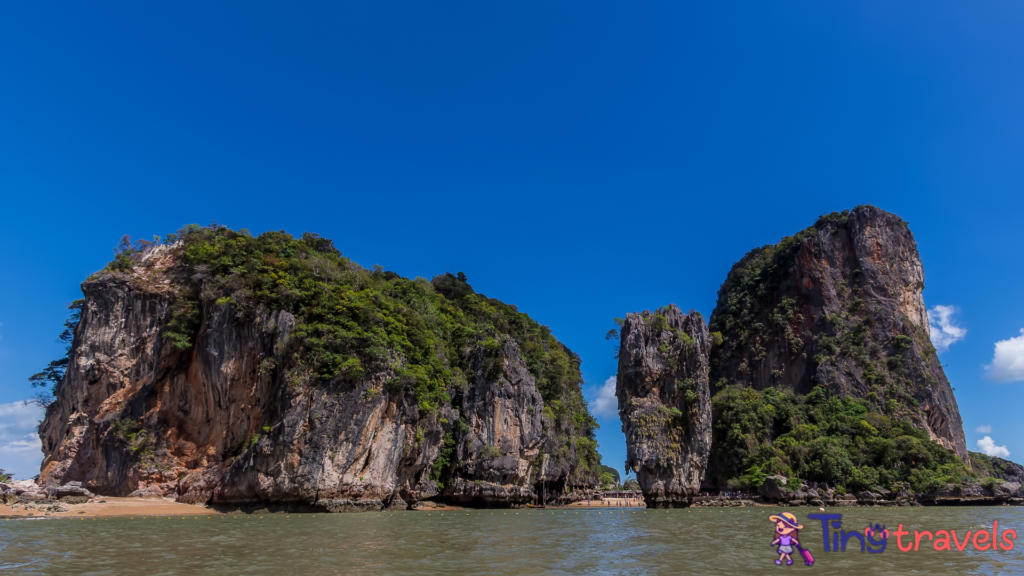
point(112, 507)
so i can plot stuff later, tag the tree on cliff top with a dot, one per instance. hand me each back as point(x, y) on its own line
point(53, 373)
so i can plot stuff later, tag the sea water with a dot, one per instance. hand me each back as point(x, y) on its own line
point(535, 541)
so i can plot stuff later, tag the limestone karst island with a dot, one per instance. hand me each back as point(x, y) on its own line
point(216, 375)
point(215, 368)
point(511, 288)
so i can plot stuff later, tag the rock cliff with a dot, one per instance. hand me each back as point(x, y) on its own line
point(820, 367)
point(225, 369)
point(664, 403)
point(839, 305)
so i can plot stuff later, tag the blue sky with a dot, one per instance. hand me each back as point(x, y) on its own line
point(580, 160)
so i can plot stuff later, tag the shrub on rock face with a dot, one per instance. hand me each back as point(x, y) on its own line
point(822, 438)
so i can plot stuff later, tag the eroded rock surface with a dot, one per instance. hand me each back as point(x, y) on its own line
point(664, 403)
point(502, 437)
point(839, 304)
point(234, 419)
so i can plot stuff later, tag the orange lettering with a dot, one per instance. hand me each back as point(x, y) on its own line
point(1007, 543)
point(960, 547)
point(995, 544)
point(983, 540)
point(917, 537)
point(899, 533)
point(944, 540)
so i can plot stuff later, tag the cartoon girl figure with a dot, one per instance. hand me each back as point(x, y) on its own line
point(786, 534)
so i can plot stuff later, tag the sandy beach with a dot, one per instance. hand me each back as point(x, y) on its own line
point(111, 507)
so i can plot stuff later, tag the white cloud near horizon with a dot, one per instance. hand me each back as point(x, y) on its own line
point(983, 429)
point(605, 403)
point(21, 452)
point(988, 447)
point(1008, 360)
point(944, 330)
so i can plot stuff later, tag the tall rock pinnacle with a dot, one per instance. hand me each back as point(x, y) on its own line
point(664, 403)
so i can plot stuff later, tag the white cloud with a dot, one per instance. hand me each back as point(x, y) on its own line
point(1008, 361)
point(944, 330)
point(983, 429)
point(20, 449)
point(606, 404)
point(988, 446)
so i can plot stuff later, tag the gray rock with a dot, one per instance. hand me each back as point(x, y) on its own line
point(496, 450)
point(974, 489)
point(71, 489)
point(352, 505)
point(1006, 489)
point(22, 486)
point(773, 488)
point(466, 490)
point(151, 492)
point(663, 360)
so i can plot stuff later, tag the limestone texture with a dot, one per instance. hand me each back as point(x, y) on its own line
point(232, 418)
point(839, 305)
point(664, 403)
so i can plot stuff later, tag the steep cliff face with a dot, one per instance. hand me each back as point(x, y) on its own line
point(838, 305)
point(823, 369)
point(503, 432)
point(664, 403)
point(235, 370)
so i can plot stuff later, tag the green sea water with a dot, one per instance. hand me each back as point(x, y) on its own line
point(550, 541)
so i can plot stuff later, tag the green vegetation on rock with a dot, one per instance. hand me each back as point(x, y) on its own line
point(351, 322)
point(822, 368)
point(53, 373)
point(824, 438)
point(755, 280)
point(991, 467)
point(609, 477)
